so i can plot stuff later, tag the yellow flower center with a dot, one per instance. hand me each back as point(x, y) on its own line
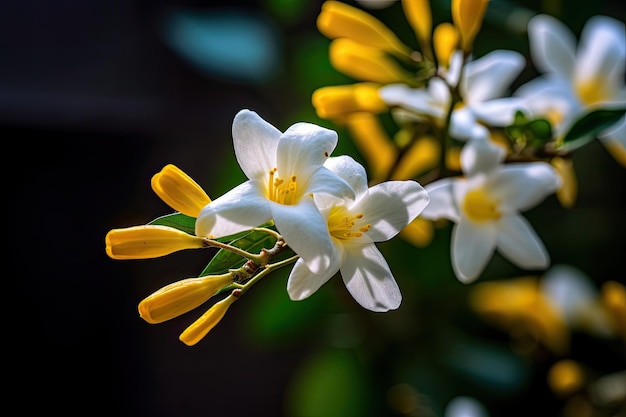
point(479, 207)
point(592, 91)
point(343, 225)
point(280, 191)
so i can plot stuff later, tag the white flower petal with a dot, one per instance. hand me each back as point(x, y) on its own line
point(491, 75)
point(499, 112)
point(303, 148)
point(616, 133)
point(602, 51)
point(552, 45)
point(255, 142)
point(239, 209)
point(473, 246)
point(521, 186)
point(481, 155)
point(306, 231)
point(462, 123)
point(350, 171)
point(441, 204)
point(302, 282)
point(368, 278)
point(519, 243)
point(323, 181)
point(390, 206)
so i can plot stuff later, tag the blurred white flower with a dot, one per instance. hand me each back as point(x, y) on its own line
point(485, 206)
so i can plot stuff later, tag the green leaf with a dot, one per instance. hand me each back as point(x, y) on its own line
point(251, 241)
point(588, 126)
point(178, 221)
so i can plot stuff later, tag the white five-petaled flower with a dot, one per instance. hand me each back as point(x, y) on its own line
point(376, 215)
point(485, 206)
point(484, 82)
point(284, 171)
point(575, 78)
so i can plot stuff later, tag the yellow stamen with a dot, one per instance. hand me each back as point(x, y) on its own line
point(592, 91)
point(179, 191)
point(281, 192)
point(149, 241)
point(479, 207)
point(180, 297)
point(343, 225)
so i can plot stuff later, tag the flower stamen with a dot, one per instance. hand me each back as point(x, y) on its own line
point(280, 191)
point(342, 224)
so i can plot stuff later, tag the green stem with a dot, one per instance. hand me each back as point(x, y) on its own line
point(258, 258)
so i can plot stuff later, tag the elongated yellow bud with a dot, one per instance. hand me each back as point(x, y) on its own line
point(614, 299)
point(198, 329)
point(179, 191)
point(373, 143)
point(420, 18)
point(446, 41)
point(467, 16)
point(336, 102)
point(569, 185)
point(366, 63)
point(340, 20)
point(149, 241)
point(180, 297)
point(421, 156)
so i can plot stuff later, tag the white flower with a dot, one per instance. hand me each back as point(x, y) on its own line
point(577, 79)
point(485, 206)
point(485, 81)
point(285, 171)
point(376, 215)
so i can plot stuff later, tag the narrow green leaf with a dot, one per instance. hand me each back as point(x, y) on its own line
point(588, 126)
point(178, 221)
point(251, 241)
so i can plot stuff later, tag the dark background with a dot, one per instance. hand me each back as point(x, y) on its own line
point(93, 102)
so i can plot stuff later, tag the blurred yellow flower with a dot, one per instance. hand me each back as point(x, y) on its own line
point(467, 16)
point(338, 102)
point(569, 188)
point(566, 377)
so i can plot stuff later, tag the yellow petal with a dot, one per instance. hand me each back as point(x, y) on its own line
point(617, 151)
point(366, 63)
point(198, 329)
point(420, 157)
point(420, 18)
point(179, 191)
point(569, 187)
point(149, 241)
point(340, 20)
point(180, 297)
point(418, 233)
point(467, 16)
point(336, 102)
point(446, 41)
point(614, 298)
point(373, 143)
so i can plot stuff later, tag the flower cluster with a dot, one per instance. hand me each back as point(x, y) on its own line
point(484, 150)
point(297, 199)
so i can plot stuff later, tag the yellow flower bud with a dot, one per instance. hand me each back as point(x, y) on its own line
point(418, 233)
point(446, 41)
point(419, 16)
point(179, 191)
point(340, 20)
point(569, 187)
point(467, 16)
point(338, 101)
point(616, 149)
point(373, 143)
point(366, 63)
point(421, 156)
point(198, 329)
point(614, 298)
point(180, 297)
point(149, 241)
